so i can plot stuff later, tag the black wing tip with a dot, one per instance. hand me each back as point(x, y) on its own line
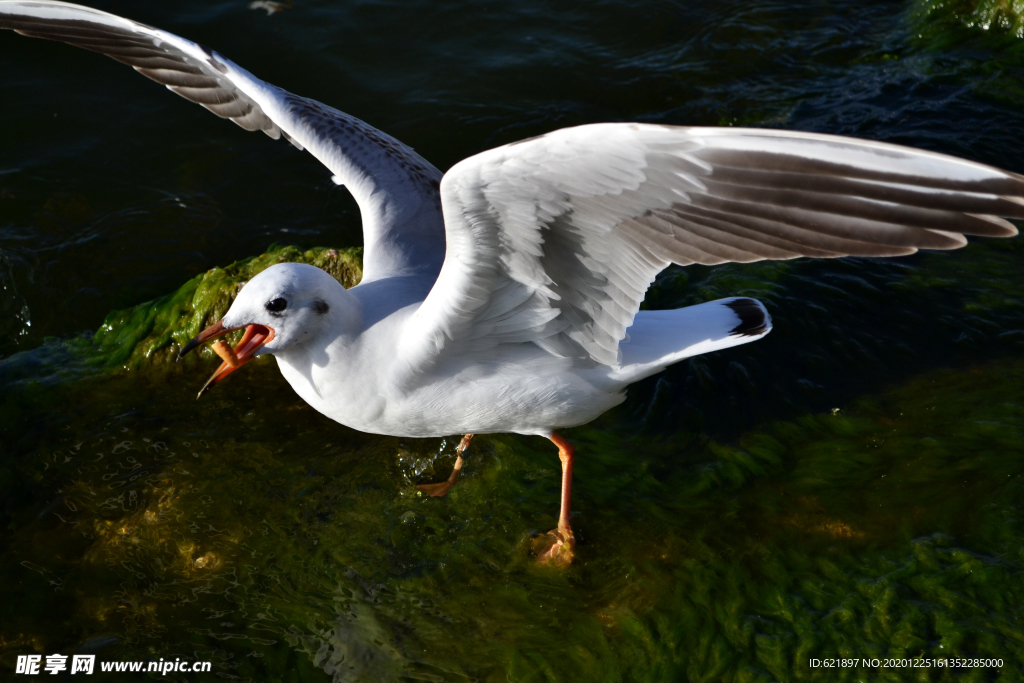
point(754, 320)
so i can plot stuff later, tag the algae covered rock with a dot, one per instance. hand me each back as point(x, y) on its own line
point(977, 43)
point(942, 22)
point(154, 331)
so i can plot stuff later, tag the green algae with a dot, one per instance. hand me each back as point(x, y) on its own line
point(283, 547)
point(942, 20)
point(980, 41)
point(155, 330)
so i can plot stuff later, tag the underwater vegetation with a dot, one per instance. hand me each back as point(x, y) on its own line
point(294, 550)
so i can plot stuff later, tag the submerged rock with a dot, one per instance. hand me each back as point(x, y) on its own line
point(154, 331)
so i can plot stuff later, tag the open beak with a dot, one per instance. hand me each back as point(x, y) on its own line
point(252, 341)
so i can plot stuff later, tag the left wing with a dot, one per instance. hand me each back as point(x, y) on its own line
point(396, 189)
point(555, 240)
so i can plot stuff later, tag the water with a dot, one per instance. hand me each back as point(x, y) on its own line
point(848, 486)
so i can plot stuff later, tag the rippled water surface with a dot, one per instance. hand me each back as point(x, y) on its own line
point(850, 486)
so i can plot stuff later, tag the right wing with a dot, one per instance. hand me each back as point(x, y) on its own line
point(555, 240)
point(396, 189)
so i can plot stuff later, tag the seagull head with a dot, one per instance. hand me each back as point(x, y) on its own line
point(285, 306)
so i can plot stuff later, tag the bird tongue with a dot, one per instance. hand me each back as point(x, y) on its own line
point(255, 336)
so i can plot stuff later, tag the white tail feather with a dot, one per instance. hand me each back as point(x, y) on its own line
point(658, 339)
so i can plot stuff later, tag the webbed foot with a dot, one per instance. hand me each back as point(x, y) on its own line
point(555, 548)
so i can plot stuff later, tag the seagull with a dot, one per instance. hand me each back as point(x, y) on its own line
point(504, 295)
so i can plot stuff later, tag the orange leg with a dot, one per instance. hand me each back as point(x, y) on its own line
point(444, 487)
point(560, 542)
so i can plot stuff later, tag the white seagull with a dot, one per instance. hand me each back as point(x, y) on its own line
point(503, 295)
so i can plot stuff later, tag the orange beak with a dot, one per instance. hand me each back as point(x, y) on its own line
point(254, 338)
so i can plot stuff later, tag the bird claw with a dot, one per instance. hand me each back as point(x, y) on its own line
point(555, 548)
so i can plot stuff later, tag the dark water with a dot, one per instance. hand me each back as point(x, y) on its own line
point(848, 487)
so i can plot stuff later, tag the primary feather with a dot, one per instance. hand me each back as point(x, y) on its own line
point(396, 189)
point(555, 240)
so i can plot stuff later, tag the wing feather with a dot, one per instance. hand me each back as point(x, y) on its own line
point(396, 189)
point(556, 239)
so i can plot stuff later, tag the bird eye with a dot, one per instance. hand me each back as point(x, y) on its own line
point(276, 306)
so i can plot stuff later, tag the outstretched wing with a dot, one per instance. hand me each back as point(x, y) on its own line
point(396, 189)
point(555, 240)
